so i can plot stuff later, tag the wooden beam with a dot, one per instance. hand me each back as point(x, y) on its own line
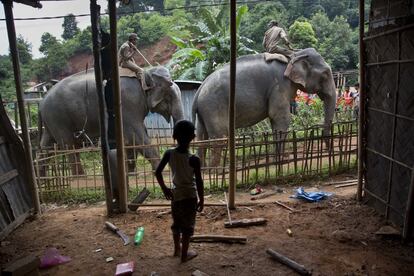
point(96, 41)
point(245, 222)
point(219, 238)
point(6, 177)
point(232, 107)
point(33, 3)
point(122, 187)
point(9, 228)
point(362, 98)
point(11, 32)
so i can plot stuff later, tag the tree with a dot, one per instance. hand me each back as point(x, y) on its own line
point(24, 49)
point(141, 5)
point(302, 35)
point(48, 41)
point(335, 42)
point(70, 27)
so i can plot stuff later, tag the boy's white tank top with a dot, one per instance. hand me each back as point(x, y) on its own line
point(182, 175)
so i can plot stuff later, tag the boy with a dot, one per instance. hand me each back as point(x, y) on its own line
point(184, 167)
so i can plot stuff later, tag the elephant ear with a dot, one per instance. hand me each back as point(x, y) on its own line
point(161, 82)
point(297, 70)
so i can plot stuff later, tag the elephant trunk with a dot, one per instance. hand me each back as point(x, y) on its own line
point(177, 109)
point(328, 96)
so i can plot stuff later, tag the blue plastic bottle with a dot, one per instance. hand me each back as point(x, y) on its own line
point(139, 236)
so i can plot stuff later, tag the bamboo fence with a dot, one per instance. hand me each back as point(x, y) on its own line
point(261, 158)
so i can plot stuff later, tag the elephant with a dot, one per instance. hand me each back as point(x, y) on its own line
point(71, 107)
point(263, 89)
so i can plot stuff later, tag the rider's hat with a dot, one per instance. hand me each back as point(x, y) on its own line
point(132, 36)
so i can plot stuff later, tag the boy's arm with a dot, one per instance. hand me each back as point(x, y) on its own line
point(196, 164)
point(158, 174)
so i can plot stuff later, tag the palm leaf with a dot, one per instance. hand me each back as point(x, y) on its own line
point(189, 52)
point(240, 13)
point(200, 69)
point(179, 42)
point(209, 20)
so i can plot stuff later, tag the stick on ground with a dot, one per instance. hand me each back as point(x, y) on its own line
point(284, 206)
point(290, 263)
point(219, 238)
point(245, 222)
point(227, 206)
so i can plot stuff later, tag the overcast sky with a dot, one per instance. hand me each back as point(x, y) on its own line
point(32, 30)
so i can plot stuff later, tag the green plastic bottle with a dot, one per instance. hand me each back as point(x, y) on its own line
point(139, 236)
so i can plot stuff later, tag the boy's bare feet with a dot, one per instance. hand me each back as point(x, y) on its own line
point(190, 255)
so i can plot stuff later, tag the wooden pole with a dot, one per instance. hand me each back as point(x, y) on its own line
point(362, 97)
point(232, 122)
point(118, 110)
point(11, 32)
point(95, 14)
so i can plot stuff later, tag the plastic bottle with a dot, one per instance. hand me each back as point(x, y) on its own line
point(139, 236)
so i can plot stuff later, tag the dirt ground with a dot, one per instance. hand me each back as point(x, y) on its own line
point(333, 237)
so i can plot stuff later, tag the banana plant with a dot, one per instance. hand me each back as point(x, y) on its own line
point(208, 46)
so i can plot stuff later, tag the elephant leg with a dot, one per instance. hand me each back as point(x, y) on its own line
point(149, 152)
point(131, 160)
point(45, 141)
point(76, 165)
point(68, 140)
point(216, 129)
point(280, 123)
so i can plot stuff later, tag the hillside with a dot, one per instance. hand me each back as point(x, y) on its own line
point(158, 53)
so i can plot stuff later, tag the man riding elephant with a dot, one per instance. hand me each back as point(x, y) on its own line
point(275, 40)
point(126, 58)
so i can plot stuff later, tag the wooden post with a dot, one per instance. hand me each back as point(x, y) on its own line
point(118, 110)
point(362, 97)
point(11, 32)
point(232, 122)
point(95, 15)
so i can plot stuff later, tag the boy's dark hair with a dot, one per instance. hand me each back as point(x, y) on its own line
point(184, 131)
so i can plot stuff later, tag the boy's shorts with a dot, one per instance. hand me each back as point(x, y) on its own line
point(184, 215)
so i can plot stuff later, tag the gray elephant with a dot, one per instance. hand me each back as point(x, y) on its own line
point(263, 89)
point(71, 107)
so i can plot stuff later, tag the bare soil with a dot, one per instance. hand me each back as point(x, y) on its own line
point(333, 237)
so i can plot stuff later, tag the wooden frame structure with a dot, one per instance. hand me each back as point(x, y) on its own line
point(387, 119)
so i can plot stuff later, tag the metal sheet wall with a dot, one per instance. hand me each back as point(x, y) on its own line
point(389, 148)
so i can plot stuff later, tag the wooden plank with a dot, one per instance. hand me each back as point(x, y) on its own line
point(245, 222)
point(219, 238)
point(6, 177)
point(6, 231)
point(24, 266)
point(290, 263)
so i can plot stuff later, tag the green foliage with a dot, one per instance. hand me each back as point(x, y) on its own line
point(7, 86)
point(25, 50)
point(141, 5)
point(335, 41)
point(209, 44)
point(307, 114)
point(302, 35)
point(70, 27)
point(80, 43)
